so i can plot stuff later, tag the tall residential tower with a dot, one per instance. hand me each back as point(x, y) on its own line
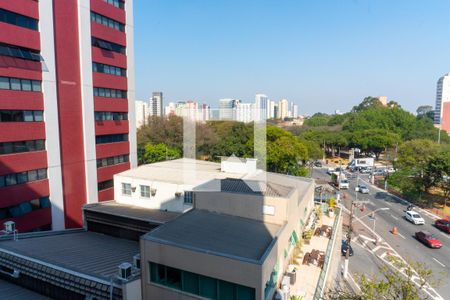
point(442, 111)
point(66, 98)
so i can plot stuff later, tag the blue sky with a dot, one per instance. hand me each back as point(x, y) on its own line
point(323, 55)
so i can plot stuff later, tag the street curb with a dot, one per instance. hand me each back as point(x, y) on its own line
point(429, 214)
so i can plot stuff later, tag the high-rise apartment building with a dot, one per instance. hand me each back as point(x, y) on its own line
point(262, 107)
point(156, 104)
point(66, 98)
point(142, 111)
point(245, 112)
point(283, 107)
point(227, 109)
point(442, 115)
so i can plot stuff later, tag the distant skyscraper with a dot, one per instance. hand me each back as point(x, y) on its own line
point(295, 111)
point(261, 106)
point(245, 112)
point(227, 109)
point(271, 112)
point(142, 113)
point(170, 110)
point(276, 111)
point(206, 112)
point(283, 108)
point(156, 104)
point(442, 100)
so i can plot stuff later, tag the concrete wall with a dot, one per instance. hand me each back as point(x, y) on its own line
point(163, 199)
point(132, 290)
point(219, 267)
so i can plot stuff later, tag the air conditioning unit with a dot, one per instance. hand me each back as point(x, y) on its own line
point(125, 271)
point(10, 226)
point(137, 261)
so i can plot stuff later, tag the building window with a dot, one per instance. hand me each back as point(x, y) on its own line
point(110, 93)
point(18, 20)
point(188, 197)
point(22, 146)
point(105, 185)
point(115, 3)
point(105, 45)
point(113, 160)
point(21, 116)
point(17, 84)
point(110, 116)
point(107, 69)
point(145, 191)
point(24, 208)
point(22, 177)
point(102, 20)
point(126, 189)
point(199, 285)
point(20, 52)
point(111, 138)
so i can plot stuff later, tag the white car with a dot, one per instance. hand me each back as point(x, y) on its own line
point(362, 189)
point(414, 218)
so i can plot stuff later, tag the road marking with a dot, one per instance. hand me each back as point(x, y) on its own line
point(351, 277)
point(400, 235)
point(394, 217)
point(445, 235)
point(438, 262)
point(387, 203)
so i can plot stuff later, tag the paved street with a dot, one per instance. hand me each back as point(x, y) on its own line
point(405, 244)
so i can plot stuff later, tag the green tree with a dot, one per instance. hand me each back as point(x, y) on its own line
point(318, 119)
point(159, 152)
point(368, 102)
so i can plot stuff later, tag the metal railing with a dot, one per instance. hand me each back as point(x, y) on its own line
point(320, 287)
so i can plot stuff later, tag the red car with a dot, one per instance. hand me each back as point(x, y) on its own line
point(428, 239)
point(443, 225)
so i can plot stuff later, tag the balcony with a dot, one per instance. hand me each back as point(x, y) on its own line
point(21, 100)
point(107, 10)
point(19, 36)
point(106, 195)
point(29, 8)
point(16, 194)
point(112, 149)
point(19, 162)
point(20, 68)
point(110, 104)
point(33, 220)
point(110, 81)
point(22, 131)
point(108, 34)
point(107, 173)
point(111, 127)
point(109, 57)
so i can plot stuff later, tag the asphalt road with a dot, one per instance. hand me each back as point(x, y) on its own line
point(404, 243)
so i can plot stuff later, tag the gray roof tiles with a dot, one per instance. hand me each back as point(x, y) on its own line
point(12, 291)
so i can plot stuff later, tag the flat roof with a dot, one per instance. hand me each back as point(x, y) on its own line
point(88, 253)
point(179, 171)
point(11, 291)
point(217, 234)
point(156, 216)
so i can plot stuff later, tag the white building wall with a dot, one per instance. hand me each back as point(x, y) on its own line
point(142, 113)
point(442, 96)
point(51, 114)
point(129, 29)
point(163, 199)
point(84, 23)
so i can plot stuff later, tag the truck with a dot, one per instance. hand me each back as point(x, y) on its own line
point(340, 180)
point(361, 163)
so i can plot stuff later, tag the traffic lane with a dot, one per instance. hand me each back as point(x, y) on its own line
point(364, 262)
point(386, 220)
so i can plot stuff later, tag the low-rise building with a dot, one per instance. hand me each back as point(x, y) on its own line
point(235, 243)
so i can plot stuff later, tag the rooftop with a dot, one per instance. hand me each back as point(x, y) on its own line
point(155, 216)
point(218, 234)
point(87, 253)
point(179, 171)
point(12, 291)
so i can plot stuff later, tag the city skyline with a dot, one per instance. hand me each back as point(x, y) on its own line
point(356, 49)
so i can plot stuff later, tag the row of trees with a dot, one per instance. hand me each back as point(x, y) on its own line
point(162, 138)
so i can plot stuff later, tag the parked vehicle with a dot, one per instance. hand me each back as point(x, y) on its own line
point(443, 225)
point(318, 164)
point(414, 218)
point(428, 239)
point(361, 162)
point(365, 170)
point(362, 189)
point(330, 170)
point(340, 181)
point(344, 247)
